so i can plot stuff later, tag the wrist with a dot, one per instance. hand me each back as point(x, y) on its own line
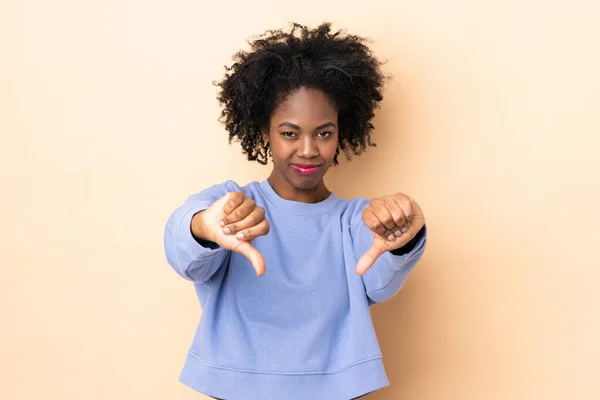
point(408, 247)
point(198, 228)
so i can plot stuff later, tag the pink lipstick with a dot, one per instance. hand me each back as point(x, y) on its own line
point(305, 169)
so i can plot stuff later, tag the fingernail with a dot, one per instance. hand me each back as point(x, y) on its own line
point(404, 230)
point(391, 237)
point(221, 224)
point(398, 232)
point(240, 235)
point(227, 231)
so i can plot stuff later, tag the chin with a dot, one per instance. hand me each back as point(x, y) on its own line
point(306, 185)
point(305, 182)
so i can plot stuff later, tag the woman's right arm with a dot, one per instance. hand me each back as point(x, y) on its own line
point(191, 257)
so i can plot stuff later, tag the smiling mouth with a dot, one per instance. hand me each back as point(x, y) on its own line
point(305, 169)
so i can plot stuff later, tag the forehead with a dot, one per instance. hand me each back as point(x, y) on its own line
point(306, 105)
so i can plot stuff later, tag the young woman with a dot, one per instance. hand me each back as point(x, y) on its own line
point(285, 270)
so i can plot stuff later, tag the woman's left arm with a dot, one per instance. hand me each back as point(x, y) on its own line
point(389, 238)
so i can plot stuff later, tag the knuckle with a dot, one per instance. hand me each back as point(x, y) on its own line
point(378, 228)
point(233, 198)
point(251, 220)
point(400, 197)
point(237, 198)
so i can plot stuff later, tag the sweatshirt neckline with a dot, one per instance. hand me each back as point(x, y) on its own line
point(297, 207)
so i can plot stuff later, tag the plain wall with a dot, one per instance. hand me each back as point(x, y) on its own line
point(108, 121)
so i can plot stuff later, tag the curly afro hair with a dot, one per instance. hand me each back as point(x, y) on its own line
point(279, 63)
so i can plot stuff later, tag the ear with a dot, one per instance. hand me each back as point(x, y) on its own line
point(265, 135)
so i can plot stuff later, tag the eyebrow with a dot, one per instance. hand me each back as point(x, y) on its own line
point(318, 128)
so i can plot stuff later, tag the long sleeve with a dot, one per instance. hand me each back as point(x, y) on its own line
point(192, 260)
point(388, 274)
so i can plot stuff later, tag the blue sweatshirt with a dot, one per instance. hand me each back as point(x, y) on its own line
point(304, 329)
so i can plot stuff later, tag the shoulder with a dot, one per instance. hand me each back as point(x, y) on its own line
point(220, 189)
point(250, 189)
point(231, 186)
point(353, 208)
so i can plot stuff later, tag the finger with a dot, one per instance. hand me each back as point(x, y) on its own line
point(253, 255)
point(252, 233)
point(368, 259)
point(385, 218)
point(383, 214)
point(397, 215)
point(406, 204)
point(373, 223)
point(239, 213)
point(233, 201)
point(254, 218)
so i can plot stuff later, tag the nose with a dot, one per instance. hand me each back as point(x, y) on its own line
point(308, 147)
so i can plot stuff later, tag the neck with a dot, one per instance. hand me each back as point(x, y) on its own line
point(287, 191)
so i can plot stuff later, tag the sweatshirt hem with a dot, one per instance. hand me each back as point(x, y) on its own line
point(355, 380)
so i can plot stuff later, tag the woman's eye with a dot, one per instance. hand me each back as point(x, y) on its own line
point(325, 134)
point(288, 134)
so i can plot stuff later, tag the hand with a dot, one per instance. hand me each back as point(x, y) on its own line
point(233, 222)
point(394, 220)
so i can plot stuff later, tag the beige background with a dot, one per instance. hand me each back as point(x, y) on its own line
point(109, 120)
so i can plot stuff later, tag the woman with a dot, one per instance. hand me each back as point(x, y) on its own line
point(285, 270)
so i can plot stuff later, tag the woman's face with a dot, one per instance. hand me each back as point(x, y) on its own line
point(303, 137)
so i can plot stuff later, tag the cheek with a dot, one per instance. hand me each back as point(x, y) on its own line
point(280, 152)
point(331, 149)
